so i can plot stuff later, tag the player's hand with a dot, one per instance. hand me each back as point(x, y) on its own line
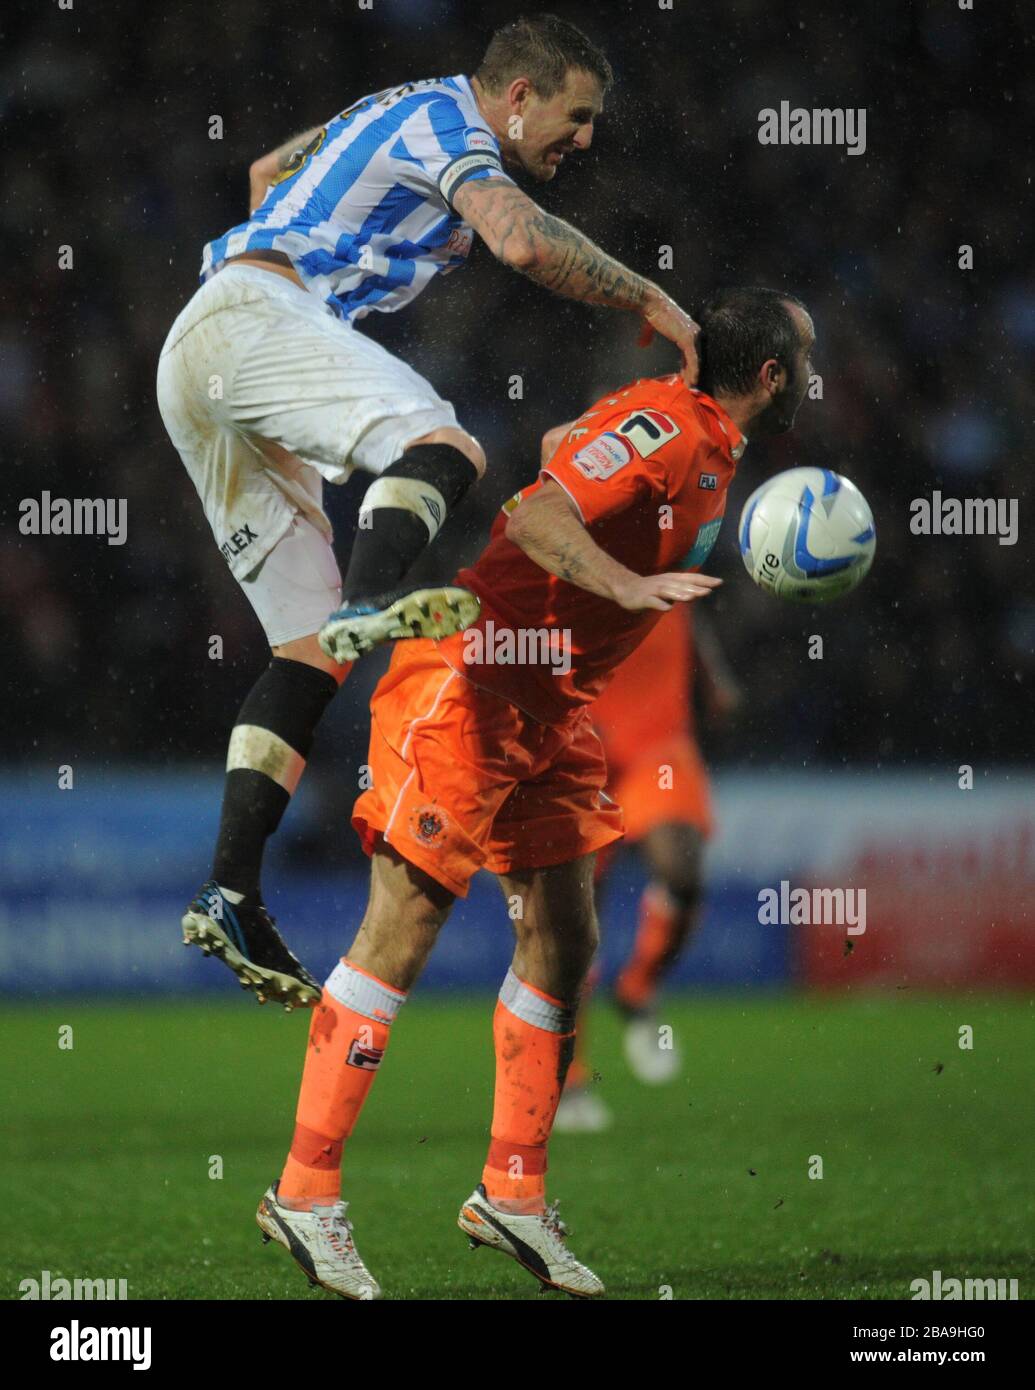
point(661, 591)
point(663, 315)
point(260, 175)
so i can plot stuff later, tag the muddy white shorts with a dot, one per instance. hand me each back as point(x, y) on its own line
point(265, 393)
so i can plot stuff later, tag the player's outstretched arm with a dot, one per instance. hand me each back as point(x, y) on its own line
point(263, 171)
point(557, 256)
point(547, 528)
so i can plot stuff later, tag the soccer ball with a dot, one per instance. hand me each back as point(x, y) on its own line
point(807, 535)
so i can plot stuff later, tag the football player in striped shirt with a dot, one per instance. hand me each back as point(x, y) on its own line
point(268, 389)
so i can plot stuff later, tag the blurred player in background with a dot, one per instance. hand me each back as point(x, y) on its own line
point(484, 758)
point(657, 775)
point(267, 390)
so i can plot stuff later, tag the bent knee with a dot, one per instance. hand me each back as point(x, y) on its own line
point(458, 439)
point(308, 651)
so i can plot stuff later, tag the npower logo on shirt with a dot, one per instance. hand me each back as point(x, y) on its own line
point(603, 457)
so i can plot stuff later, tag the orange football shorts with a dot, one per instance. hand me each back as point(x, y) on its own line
point(463, 780)
point(668, 783)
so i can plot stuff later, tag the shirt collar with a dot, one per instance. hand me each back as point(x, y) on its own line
point(736, 440)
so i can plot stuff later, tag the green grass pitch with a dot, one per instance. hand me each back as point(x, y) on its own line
point(701, 1187)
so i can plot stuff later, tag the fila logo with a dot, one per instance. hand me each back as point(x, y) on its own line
point(647, 431)
point(366, 1058)
point(709, 481)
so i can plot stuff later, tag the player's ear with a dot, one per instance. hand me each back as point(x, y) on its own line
point(772, 375)
point(518, 92)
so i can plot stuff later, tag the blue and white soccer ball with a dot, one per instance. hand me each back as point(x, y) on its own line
point(807, 535)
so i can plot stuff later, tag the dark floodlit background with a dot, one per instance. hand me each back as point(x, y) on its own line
point(926, 373)
point(797, 1038)
point(927, 370)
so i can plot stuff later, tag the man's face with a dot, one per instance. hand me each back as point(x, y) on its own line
point(779, 417)
point(553, 127)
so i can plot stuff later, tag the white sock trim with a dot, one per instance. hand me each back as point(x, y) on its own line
point(530, 1007)
point(409, 495)
point(363, 994)
point(260, 750)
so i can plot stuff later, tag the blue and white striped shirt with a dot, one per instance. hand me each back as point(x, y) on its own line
point(365, 212)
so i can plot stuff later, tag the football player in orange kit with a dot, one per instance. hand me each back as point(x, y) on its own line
point(483, 755)
point(657, 775)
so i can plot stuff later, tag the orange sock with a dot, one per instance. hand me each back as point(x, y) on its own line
point(534, 1036)
point(348, 1035)
point(652, 950)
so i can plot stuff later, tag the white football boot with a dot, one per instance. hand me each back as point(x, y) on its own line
point(537, 1242)
point(361, 624)
point(648, 1061)
point(581, 1111)
point(320, 1243)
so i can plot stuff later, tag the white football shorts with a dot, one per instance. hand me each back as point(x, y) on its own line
point(265, 393)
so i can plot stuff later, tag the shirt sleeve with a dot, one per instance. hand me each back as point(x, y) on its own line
point(445, 151)
point(604, 473)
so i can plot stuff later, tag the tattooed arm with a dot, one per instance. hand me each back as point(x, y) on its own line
point(262, 173)
point(547, 528)
point(557, 256)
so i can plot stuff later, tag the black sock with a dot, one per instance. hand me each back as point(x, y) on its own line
point(390, 538)
point(271, 740)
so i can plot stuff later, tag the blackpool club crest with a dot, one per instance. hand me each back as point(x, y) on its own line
point(428, 825)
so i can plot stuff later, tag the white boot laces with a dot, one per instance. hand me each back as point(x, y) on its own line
point(336, 1229)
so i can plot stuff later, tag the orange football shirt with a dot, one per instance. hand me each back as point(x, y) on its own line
point(650, 698)
point(648, 468)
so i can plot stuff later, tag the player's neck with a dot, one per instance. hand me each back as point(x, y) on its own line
point(741, 411)
point(492, 111)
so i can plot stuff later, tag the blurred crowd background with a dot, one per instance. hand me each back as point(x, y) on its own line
point(926, 368)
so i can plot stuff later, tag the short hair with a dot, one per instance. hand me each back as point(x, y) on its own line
point(544, 49)
point(742, 327)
